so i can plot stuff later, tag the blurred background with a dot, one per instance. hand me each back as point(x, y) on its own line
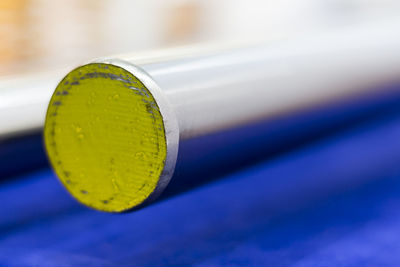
point(40, 35)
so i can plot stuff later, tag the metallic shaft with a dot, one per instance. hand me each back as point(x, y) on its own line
point(113, 126)
point(212, 92)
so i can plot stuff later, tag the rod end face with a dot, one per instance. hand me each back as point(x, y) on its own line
point(105, 137)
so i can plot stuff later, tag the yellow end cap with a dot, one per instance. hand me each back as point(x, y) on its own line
point(105, 137)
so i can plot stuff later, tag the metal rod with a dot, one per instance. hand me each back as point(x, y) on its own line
point(209, 93)
point(113, 126)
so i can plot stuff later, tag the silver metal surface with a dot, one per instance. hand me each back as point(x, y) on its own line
point(217, 91)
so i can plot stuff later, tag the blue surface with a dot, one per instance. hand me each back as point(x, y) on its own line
point(332, 202)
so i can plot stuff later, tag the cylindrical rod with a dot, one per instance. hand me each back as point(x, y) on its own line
point(213, 92)
point(113, 126)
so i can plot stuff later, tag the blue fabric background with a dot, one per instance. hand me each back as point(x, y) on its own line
point(331, 201)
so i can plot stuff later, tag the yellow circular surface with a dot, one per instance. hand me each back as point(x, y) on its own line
point(105, 137)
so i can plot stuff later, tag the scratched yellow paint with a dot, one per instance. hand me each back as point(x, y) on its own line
point(105, 137)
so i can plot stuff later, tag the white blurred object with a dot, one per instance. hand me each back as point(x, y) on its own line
point(23, 102)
